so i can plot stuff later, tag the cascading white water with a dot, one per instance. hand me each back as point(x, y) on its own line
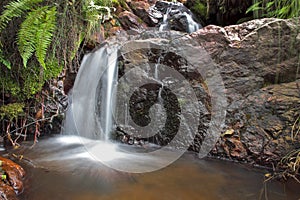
point(192, 25)
point(164, 23)
point(177, 11)
point(90, 114)
point(108, 99)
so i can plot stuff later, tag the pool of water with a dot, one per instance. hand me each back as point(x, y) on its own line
point(57, 170)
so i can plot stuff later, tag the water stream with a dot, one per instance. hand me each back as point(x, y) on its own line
point(60, 168)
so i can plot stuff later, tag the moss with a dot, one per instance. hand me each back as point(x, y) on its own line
point(11, 111)
point(35, 78)
point(28, 81)
point(10, 86)
point(120, 3)
point(115, 3)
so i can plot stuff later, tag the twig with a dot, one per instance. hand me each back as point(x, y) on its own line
point(8, 134)
point(29, 124)
point(297, 122)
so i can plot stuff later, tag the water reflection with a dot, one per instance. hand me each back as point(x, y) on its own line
point(59, 168)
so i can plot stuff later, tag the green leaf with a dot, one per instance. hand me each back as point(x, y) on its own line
point(270, 4)
point(256, 6)
point(276, 8)
point(26, 36)
point(283, 12)
point(15, 9)
point(44, 35)
point(35, 34)
point(5, 62)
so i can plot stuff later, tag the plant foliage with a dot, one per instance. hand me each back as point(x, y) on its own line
point(11, 111)
point(3, 60)
point(275, 8)
point(48, 34)
point(16, 9)
point(40, 40)
point(35, 34)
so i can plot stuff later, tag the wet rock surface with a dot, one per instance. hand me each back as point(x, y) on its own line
point(258, 61)
point(130, 21)
point(141, 9)
point(12, 184)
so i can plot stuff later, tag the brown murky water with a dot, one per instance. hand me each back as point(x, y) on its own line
point(66, 176)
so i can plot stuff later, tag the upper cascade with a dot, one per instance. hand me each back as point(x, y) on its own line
point(174, 16)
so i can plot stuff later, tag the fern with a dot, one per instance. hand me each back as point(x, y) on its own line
point(44, 35)
point(15, 9)
point(35, 34)
point(5, 62)
point(26, 35)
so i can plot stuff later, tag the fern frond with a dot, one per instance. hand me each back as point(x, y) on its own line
point(36, 33)
point(15, 9)
point(44, 35)
point(26, 36)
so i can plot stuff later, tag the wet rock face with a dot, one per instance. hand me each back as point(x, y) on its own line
point(13, 184)
point(271, 112)
point(258, 62)
point(157, 58)
point(141, 9)
point(130, 21)
point(134, 16)
point(140, 104)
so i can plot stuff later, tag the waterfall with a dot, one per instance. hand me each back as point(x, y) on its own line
point(192, 25)
point(107, 99)
point(175, 16)
point(174, 113)
point(90, 113)
point(164, 24)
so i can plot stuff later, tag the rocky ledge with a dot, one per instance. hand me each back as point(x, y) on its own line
point(259, 64)
point(11, 181)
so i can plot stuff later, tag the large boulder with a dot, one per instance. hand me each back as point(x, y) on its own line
point(259, 64)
